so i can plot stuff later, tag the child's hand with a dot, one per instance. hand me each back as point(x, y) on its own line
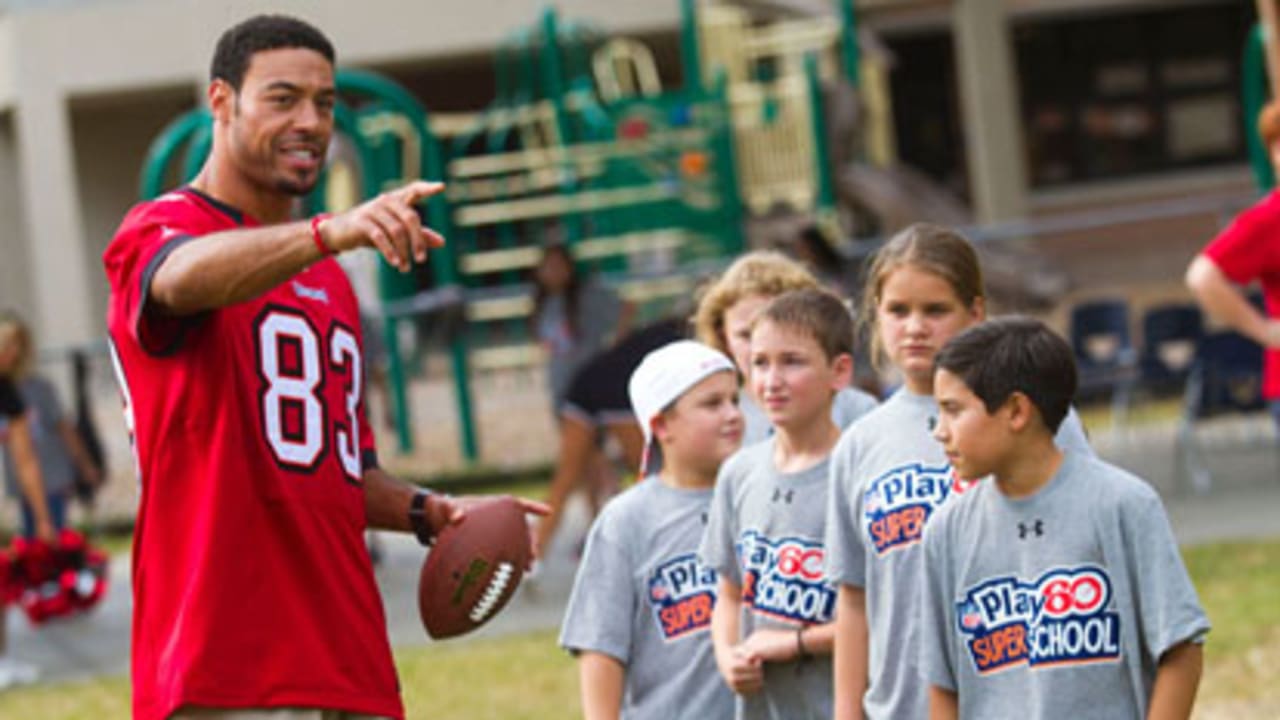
point(772, 645)
point(744, 673)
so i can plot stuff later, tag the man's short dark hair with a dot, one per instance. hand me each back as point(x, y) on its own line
point(239, 44)
point(999, 357)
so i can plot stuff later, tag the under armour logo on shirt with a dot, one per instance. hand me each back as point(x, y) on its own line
point(780, 496)
point(1036, 528)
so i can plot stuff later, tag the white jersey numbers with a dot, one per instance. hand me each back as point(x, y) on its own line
point(344, 355)
point(293, 366)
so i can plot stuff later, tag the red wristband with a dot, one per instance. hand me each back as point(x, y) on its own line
point(315, 234)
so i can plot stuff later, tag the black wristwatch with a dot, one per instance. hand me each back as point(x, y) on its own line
point(418, 517)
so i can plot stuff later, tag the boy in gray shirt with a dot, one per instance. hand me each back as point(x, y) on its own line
point(640, 612)
point(1054, 588)
point(772, 625)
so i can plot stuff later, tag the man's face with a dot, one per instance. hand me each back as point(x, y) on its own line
point(279, 124)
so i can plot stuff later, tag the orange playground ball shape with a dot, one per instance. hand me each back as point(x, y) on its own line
point(473, 568)
point(693, 164)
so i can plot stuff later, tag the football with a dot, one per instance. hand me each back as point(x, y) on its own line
point(473, 568)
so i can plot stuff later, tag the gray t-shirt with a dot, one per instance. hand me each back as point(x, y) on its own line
point(888, 476)
point(642, 597)
point(45, 413)
point(848, 405)
point(765, 534)
point(1055, 605)
point(598, 311)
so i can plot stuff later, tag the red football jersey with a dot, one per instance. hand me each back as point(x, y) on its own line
point(1247, 250)
point(252, 585)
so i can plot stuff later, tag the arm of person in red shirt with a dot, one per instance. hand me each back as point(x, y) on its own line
point(228, 267)
point(1222, 299)
point(387, 500)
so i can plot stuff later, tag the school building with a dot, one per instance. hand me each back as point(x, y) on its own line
point(1023, 108)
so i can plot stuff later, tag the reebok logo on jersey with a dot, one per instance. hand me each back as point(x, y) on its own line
point(784, 578)
point(1059, 619)
point(896, 505)
point(682, 593)
point(310, 293)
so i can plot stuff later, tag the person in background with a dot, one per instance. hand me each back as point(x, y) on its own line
point(15, 439)
point(575, 316)
point(1248, 250)
point(59, 448)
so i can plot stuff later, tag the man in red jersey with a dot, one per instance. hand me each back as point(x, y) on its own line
point(1248, 250)
point(237, 342)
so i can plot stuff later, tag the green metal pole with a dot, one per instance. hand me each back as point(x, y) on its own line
point(733, 237)
point(850, 53)
point(689, 50)
point(171, 140)
point(198, 149)
point(553, 72)
point(553, 87)
point(825, 195)
point(1254, 94)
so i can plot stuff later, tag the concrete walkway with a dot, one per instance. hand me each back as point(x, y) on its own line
point(1243, 504)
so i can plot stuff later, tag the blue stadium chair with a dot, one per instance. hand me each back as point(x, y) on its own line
point(1226, 377)
point(1170, 337)
point(1105, 356)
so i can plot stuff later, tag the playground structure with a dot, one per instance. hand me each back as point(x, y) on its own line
point(650, 186)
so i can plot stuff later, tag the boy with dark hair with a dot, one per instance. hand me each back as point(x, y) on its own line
point(772, 625)
point(1053, 589)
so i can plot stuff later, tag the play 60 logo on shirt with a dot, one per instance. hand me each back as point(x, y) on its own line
point(784, 578)
point(1059, 619)
point(682, 592)
point(896, 505)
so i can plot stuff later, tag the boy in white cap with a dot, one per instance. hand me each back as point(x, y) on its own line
point(640, 612)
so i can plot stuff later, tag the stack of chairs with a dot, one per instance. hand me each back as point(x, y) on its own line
point(1216, 373)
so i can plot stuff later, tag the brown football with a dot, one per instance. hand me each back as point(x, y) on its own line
point(473, 568)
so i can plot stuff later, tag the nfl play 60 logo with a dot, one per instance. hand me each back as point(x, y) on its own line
point(896, 505)
point(784, 578)
point(682, 593)
point(1062, 618)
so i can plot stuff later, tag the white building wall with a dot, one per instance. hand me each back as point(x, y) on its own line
point(15, 289)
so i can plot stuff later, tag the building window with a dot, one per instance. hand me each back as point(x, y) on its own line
point(1123, 94)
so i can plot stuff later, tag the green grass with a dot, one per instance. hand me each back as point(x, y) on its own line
point(528, 678)
point(516, 678)
point(1238, 583)
point(98, 699)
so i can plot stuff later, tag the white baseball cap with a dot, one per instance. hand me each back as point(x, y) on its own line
point(663, 376)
